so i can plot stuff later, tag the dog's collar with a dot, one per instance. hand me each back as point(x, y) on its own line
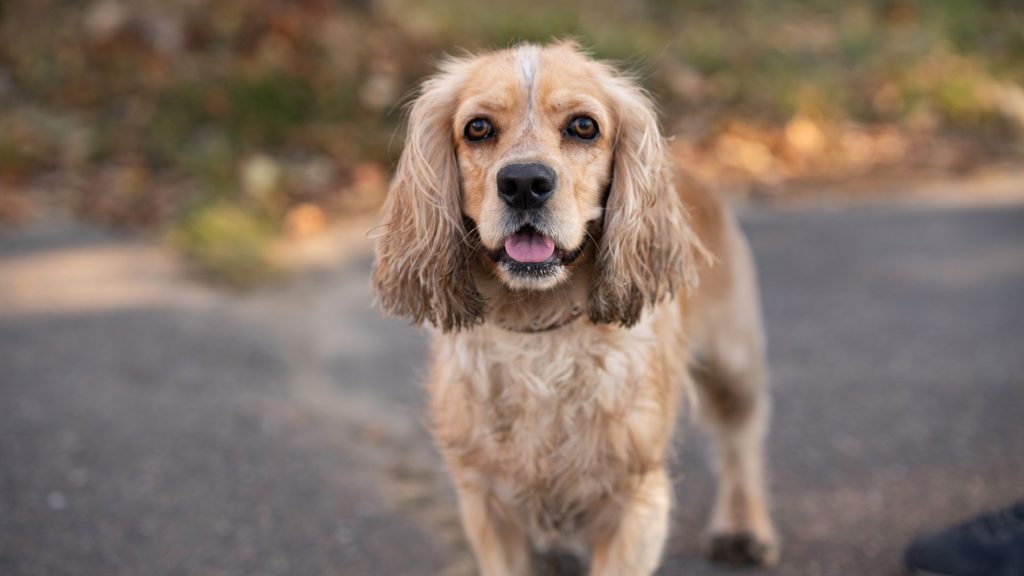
point(536, 328)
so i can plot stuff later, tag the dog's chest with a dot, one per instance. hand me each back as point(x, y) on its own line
point(553, 423)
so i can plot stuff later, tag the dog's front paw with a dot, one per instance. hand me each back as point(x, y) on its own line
point(743, 549)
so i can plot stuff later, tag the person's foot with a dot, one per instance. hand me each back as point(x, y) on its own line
point(989, 545)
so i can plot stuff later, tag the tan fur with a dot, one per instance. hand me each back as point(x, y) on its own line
point(560, 438)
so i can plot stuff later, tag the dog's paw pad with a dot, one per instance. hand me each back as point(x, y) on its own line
point(741, 550)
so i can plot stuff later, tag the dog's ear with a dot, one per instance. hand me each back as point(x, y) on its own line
point(647, 246)
point(422, 266)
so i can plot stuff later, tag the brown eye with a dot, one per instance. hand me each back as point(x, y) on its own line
point(582, 127)
point(479, 129)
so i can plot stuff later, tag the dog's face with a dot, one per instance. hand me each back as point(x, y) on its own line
point(512, 158)
point(533, 134)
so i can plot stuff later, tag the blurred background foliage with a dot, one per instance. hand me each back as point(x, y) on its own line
point(233, 123)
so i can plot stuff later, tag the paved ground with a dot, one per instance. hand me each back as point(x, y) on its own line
point(152, 426)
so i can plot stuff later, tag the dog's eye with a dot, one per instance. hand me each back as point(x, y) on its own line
point(582, 127)
point(479, 129)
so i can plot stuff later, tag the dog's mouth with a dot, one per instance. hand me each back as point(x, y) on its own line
point(531, 252)
point(529, 246)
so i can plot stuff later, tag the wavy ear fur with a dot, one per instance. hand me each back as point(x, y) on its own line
point(422, 264)
point(646, 250)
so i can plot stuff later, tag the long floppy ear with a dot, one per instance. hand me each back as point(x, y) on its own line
point(646, 250)
point(422, 265)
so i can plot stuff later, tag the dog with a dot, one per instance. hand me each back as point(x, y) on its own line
point(576, 292)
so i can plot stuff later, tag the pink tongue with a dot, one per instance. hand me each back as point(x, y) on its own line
point(529, 247)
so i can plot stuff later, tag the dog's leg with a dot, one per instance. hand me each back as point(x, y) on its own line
point(734, 408)
point(500, 546)
point(632, 546)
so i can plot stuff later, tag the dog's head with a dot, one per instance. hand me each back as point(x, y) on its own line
point(518, 159)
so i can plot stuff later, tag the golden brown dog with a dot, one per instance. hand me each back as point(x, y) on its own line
point(575, 293)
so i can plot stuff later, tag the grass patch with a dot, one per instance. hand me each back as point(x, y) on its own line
point(227, 244)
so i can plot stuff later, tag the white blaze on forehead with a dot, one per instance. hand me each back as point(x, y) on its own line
point(528, 63)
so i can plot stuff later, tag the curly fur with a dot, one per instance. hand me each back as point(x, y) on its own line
point(422, 268)
point(647, 248)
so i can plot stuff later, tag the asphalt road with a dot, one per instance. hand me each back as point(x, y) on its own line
point(153, 426)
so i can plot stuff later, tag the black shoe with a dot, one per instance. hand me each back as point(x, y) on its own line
point(989, 545)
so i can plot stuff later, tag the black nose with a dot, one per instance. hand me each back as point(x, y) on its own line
point(526, 185)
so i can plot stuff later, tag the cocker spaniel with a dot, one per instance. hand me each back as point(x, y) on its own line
point(576, 292)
